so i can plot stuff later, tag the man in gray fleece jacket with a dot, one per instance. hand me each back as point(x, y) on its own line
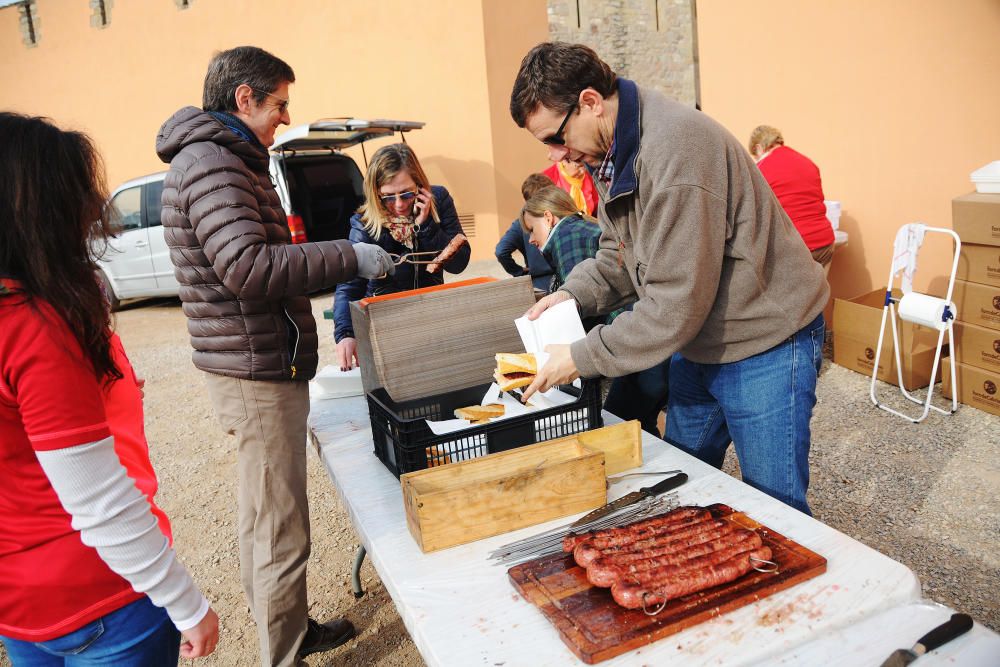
point(693, 235)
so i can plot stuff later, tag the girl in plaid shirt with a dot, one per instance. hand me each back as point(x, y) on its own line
point(564, 235)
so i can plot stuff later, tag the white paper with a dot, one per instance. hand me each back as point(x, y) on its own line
point(512, 408)
point(560, 324)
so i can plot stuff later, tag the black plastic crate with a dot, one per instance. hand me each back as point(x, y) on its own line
point(404, 442)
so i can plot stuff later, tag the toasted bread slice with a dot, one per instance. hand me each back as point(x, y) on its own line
point(514, 370)
point(508, 363)
point(480, 413)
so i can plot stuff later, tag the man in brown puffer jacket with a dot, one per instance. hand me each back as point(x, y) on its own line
point(243, 288)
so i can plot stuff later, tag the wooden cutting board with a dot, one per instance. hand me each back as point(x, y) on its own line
point(596, 628)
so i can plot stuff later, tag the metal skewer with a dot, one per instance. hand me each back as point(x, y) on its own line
point(550, 542)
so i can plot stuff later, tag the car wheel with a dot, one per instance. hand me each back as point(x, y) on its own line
point(109, 292)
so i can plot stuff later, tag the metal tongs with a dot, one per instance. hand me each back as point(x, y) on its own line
point(408, 258)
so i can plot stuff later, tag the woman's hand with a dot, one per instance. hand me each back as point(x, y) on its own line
point(201, 640)
point(422, 207)
point(347, 353)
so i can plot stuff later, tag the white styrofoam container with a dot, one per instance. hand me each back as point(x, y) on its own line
point(833, 212)
point(987, 178)
point(331, 382)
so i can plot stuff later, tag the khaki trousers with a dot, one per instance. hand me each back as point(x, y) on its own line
point(269, 422)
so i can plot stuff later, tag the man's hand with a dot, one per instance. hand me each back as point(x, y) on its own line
point(547, 302)
point(201, 640)
point(559, 369)
point(347, 353)
point(373, 261)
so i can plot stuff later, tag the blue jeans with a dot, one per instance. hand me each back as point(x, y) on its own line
point(139, 634)
point(763, 404)
point(641, 396)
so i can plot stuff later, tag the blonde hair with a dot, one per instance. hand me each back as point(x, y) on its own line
point(385, 164)
point(556, 201)
point(768, 137)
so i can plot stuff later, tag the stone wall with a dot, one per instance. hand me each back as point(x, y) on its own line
point(649, 41)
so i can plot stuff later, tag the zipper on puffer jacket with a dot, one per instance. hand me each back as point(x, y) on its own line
point(298, 337)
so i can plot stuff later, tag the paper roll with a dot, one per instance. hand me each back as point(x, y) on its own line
point(924, 310)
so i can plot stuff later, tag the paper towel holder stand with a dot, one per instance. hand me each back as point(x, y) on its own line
point(945, 310)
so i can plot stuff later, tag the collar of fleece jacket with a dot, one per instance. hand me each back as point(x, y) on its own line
point(627, 138)
point(191, 125)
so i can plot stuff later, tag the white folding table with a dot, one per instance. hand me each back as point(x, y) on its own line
point(460, 608)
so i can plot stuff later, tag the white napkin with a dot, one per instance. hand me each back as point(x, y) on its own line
point(909, 238)
point(560, 324)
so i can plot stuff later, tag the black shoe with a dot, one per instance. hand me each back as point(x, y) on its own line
point(325, 636)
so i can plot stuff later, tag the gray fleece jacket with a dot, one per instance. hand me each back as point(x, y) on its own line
point(694, 235)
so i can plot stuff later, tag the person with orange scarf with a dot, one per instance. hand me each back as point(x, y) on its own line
point(574, 178)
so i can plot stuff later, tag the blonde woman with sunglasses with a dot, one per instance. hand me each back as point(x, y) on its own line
point(403, 214)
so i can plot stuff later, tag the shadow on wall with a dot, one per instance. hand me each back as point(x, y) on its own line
point(472, 182)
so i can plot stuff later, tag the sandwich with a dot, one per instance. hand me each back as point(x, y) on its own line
point(514, 370)
point(479, 414)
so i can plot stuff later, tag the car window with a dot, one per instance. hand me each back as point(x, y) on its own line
point(127, 205)
point(153, 192)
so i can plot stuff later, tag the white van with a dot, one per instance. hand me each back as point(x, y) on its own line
point(320, 188)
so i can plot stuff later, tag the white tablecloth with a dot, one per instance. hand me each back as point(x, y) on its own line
point(460, 609)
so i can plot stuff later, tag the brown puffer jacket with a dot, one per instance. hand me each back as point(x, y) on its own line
point(243, 285)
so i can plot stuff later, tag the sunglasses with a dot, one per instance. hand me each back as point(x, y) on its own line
point(557, 138)
point(282, 102)
point(401, 196)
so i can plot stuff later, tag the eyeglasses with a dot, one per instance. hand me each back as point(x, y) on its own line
point(282, 102)
point(401, 196)
point(557, 138)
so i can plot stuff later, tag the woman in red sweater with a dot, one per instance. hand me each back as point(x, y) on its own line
point(574, 178)
point(87, 572)
point(797, 185)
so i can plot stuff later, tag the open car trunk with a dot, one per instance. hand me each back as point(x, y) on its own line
point(324, 187)
point(325, 190)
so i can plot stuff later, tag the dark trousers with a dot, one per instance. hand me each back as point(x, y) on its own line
point(641, 396)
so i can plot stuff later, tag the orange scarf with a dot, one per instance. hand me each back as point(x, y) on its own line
point(575, 189)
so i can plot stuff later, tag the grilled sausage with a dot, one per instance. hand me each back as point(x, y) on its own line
point(672, 517)
point(605, 571)
point(446, 254)
point(685, 582)
point(587, 551)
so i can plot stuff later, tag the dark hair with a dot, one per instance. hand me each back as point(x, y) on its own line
point(533, 183)
point(553, 74)
point(245, 64)
point(54, 223)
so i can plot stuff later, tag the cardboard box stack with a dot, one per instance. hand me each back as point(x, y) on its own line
point(976, 218)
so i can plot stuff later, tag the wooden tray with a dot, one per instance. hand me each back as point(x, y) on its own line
point(596, 628)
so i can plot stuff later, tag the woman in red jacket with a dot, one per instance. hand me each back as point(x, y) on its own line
point(87, 572)
point(797, 184)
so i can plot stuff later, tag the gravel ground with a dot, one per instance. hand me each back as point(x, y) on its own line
point(923, 494)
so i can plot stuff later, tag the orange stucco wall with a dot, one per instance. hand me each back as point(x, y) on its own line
point(896, 102)
point(448, 63)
